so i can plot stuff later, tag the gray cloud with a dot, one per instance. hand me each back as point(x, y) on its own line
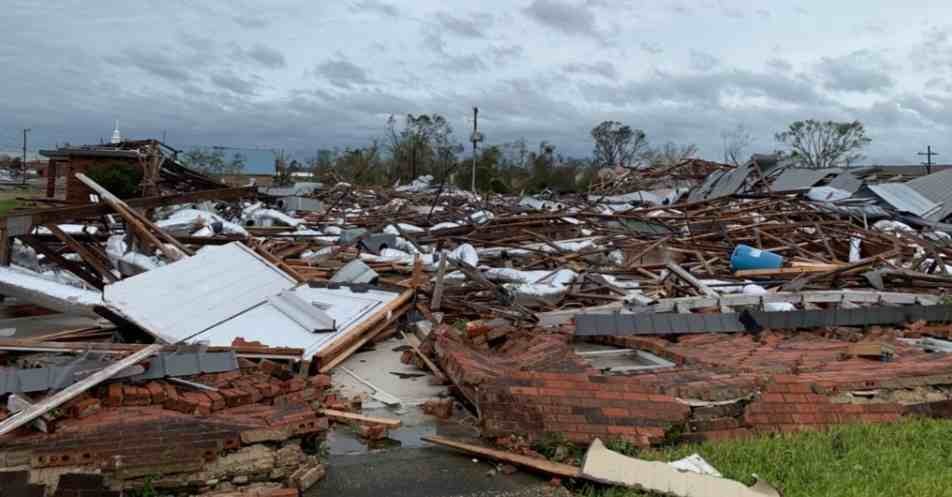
point(232, 82)
point(470, 26)
point(377, 7)
point(703, 61)
point(461, 63)
point(503, 55)
point(154, 62)
point(861, 71)
point(568, 18)
point(652, 48)
point(778, 64)
point(342, 73)
point(250, 22)
point(603, 68)
point(264, 55)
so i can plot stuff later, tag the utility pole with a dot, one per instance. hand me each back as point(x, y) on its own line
point(477, 137)
point(928, 154)
point(23, 164)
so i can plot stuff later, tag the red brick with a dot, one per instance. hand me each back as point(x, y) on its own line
point(156, 392)
point(113, 395)
point(615, 412)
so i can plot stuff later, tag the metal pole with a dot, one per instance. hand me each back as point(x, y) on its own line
point(475, 135)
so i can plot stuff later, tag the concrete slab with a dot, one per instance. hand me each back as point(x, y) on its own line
point(424, 472)
point(375, 366)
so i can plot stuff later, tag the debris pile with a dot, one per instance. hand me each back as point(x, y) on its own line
point(698, 302)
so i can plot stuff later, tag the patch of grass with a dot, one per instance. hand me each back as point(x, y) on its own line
point(911, 458)
point(7, 204)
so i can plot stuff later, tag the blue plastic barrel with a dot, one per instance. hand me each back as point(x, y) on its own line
point(746, 257)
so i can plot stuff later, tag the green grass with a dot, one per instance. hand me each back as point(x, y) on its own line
point(7, 204)
point(911, 458)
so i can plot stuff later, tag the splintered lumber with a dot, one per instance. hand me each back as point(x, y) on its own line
point(689, 278)
point(344, 416)
point(558, 469)
point(342, 344)
point(137, 222)
point(356, 345)
point(52, 402)
point(438, 285)
point(87, 256)
point(784, 271)
point(414, 344)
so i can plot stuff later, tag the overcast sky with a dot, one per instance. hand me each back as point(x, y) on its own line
point(318, 74)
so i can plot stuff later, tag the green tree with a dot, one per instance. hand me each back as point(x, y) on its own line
point(617, 144)
point(236, 165)
point(425, 145)
point(206, 161)
point(817, 145)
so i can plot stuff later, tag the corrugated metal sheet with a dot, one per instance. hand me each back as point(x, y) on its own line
point(794, 179)
point(936, 187)
point(722, 184)
point(904, 198)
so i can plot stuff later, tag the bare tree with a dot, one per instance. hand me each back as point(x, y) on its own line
point(818, 145)
point(671, 154)
point(617, 144)
point(736, 142)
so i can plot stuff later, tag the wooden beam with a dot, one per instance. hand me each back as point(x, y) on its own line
point(360, 418)
point(142, 227)
point(52, 402)
point(558, 469)
point(414, 344)
point(71, 266)
point(88, 256)
point(682, 273)
point(66, 214)
point(438, 285)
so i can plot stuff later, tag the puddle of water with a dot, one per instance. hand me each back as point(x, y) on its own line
point(343, 440)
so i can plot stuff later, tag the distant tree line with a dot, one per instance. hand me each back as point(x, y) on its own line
point(424, 144)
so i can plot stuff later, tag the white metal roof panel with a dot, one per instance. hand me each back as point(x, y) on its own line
point(189, 296)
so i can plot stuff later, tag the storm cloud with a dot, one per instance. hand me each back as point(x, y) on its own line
point(301, 76)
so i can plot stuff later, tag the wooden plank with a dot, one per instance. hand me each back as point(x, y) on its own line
point(72, 266)
point(342, 341)
point(558, 469)
point(438, 286)
point(88, 256)
point(414, 343)
point(688, 277)
point(64, 214)
point(141, 230)
point(360, 418)
point(783, 271)
point(356, 345)
point(52, 402)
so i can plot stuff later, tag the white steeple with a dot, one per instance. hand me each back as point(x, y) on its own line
point(116, 137)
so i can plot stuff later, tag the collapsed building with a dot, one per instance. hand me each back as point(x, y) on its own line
point(701, 302)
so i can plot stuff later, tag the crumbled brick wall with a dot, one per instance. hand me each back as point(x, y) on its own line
point(723, 386)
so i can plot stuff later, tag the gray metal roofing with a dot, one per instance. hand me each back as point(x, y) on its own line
point(798, 178)
point(846, 181)
point(904, 198)
point(722, 184)
point(936, 187)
